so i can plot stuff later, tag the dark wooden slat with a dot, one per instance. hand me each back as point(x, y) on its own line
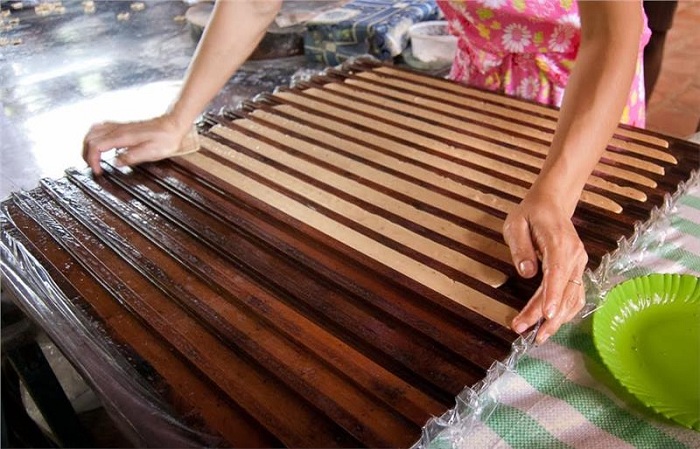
point(422, 357)
point(258, 336)
point(198, 403)
point(218, 273)
point(259, 396)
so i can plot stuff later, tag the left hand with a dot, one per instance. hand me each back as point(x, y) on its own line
point(540, 227)
point(143, 141)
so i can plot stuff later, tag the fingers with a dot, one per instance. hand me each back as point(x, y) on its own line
point(563, 263)
point(530, 315)
point(138, 154)
point(92, 150)
point(138, 142)
point(575, 303)
point(108, 136)
point(561, 295)
point(516, 233)
point(554, 280)
point(532, 312)
point(562, 285)
point(573, 292)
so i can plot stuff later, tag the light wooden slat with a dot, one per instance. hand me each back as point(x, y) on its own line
point(474, 110)
point(431, 278)
point(428, 196)
point(513, 102)
point(391, 85)
point(516, 190)
point(359, 191)
point(422, 157)
point(384, 104)
point(351, 211)
point(629, 192)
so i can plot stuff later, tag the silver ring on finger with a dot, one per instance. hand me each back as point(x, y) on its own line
point(576, 281)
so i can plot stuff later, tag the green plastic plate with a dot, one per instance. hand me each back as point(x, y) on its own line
point(648, 334)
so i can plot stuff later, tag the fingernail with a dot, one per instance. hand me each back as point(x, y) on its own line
point(543, 337)
point(551, 310)
point(520, 328)
point(526, 267)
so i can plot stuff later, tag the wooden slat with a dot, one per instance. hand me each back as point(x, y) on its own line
point(427, 165)
point(467, 106)
point(383, 169)
point(528, 107)
point(204, 351)
point(428, 276)
point(416, 131)
point(359, 191)
point(188, 392)
point(412, 164)
point(449, 104)
point(489, 132)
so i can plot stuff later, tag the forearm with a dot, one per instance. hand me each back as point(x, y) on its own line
point(233, 32)
point(595, 97)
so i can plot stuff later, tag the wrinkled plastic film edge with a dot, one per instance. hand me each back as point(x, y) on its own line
point(647, 237)
point(475, 404)
point(116, 383)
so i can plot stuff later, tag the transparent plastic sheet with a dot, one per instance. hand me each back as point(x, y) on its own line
point(144, 419)
point(647, 237)
point(473, 404)
point(477, 403)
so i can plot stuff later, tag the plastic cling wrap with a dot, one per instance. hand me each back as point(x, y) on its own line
point(143, 418)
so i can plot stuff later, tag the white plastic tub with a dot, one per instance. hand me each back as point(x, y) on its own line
point(431, 42)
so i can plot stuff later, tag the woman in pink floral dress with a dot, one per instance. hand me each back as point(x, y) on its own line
point(525, 48)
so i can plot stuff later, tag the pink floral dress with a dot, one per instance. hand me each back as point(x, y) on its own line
point(526, 48)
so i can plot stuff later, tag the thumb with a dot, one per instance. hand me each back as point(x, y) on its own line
point(518, 238)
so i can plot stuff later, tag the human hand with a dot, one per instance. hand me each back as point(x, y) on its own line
point(539, 227)
point(143, 141)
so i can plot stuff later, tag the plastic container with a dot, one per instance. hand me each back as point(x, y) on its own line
point(431, 42)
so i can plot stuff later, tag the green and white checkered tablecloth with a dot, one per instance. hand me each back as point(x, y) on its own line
point(559, 394)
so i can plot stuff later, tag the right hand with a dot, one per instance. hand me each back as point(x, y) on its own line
point(540, 225)
point(142, 141)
